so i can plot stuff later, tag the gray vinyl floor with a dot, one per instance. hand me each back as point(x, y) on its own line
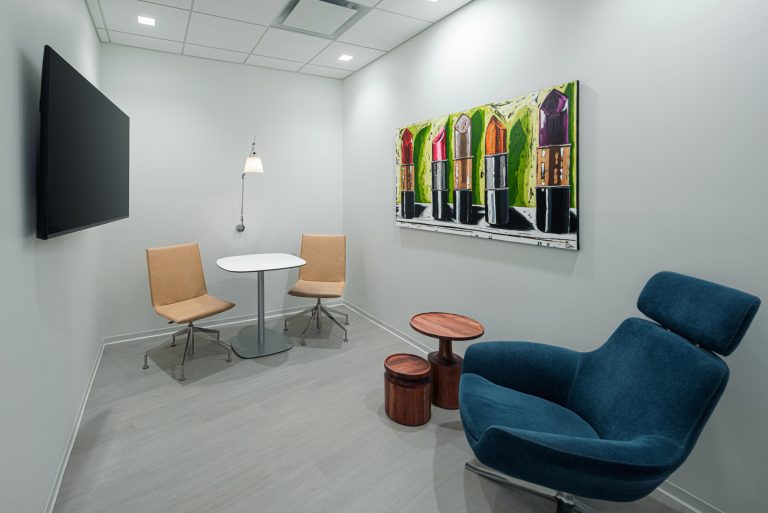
point(302, 431)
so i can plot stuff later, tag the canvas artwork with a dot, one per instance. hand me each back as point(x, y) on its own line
point(505, 171)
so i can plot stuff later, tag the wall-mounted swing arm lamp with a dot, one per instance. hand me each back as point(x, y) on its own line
point(253, 164)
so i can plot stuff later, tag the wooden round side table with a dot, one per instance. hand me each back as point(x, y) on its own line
point(406, 389)
point(446, 366)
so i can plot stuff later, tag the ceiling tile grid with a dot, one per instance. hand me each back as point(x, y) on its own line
point(330, 38)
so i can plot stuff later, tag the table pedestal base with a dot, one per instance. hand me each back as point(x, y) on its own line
point(446, 373)
point(247, 345)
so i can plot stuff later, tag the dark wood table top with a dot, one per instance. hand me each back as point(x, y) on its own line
point(407, 366)
point(447, 326)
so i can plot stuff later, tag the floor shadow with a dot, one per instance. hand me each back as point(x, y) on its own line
point(209, 359)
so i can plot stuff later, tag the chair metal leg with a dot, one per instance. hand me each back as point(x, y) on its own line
point(294, 316)
point(173, 337)
point(145, 362)
point(192, 340)
point(210, 331)
point(184, 356)
point(339, 312)
point(565, 502)
point(319, 317)
point(331, 317)
point(303, 340)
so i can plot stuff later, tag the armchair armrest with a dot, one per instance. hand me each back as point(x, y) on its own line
point(536, 369)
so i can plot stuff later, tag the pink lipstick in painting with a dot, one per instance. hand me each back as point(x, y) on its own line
point(407, 194)
point(553, 161)
point(440, 210)
point(462, 169)
point(496, 188)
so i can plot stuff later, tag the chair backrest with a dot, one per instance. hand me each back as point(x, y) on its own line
point(649, 379)
point(326, 257)
point(175, 274)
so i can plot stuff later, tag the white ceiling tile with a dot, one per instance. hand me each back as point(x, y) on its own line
point(383, 30)
point(317, 16)
point(222, 33)
point(151, 43)
point(181, 4)
point(362, 56)
point(262, 12)
point(102, 35)
point(311, 69)
point(269, 62)
point(214, 53)
point(284, 44)
point(424, 9)
point(93, 8)
point(122, 16)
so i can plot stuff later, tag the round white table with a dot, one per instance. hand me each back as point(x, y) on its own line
point(265, 342)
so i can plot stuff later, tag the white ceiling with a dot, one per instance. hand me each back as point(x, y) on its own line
point(305, 36)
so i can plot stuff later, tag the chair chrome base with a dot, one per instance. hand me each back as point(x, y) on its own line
point(189, 347)
point(566, 503)
point(316, 311)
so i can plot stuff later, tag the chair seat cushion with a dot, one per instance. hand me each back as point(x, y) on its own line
point(317, 289)
point(193, 309)
point(488, 405)
point(542, 442)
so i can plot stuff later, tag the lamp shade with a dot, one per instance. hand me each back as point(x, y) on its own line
point(253, 165)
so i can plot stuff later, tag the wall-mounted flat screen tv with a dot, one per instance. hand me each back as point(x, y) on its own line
point(83, 168)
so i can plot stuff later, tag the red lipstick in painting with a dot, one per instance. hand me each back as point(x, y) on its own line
point(462, 169)
point(440, 209)
point(496, 188)
point(407, 194)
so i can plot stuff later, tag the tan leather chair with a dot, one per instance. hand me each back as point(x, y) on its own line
point(322, 277)
point(179, 294)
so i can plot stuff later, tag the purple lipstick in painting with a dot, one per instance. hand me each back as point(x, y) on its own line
point(440, 210)
point(462, 169)
point(553, 159)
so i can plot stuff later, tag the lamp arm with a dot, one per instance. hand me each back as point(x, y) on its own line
point(241, 226)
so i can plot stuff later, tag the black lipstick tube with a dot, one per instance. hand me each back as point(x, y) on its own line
point(440, 200)
point(407, 194)
point(496, 190)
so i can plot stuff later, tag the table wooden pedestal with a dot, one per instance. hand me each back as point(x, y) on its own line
point(446, 372)
point(445, 367)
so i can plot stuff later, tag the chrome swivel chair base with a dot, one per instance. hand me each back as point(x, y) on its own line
point(315, 312)
point(189, 347)
point(566, 503)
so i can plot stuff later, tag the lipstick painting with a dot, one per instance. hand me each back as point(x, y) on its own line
point(496, 189)
point(408, 195)
point(506, 171)
point(440, 176)
point(553, 159)
point(462, 169)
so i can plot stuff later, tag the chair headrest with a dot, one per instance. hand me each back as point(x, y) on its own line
point(712, 316)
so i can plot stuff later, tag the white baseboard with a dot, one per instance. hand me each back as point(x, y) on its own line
point(72, 435)
point(142, 335)
point(668, 493)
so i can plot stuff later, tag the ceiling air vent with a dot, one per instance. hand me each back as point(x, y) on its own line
point(325, 18)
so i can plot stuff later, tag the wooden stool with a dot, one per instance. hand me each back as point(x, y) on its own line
point(406, 389)
point(446, 366)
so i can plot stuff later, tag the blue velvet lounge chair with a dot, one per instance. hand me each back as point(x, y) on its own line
point(614, 423)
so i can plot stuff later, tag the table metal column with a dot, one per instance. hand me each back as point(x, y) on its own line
point(264, 342)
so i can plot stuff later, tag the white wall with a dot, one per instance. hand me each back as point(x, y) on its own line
point(49, 288)
point(192, 124)
point(672, 176)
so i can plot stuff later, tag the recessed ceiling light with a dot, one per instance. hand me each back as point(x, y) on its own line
point(346, 58)
point(433, 1)
point(147, 21)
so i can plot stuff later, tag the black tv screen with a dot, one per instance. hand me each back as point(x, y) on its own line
point(83, 169)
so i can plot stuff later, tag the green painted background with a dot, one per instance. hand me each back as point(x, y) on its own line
point(520, 116)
